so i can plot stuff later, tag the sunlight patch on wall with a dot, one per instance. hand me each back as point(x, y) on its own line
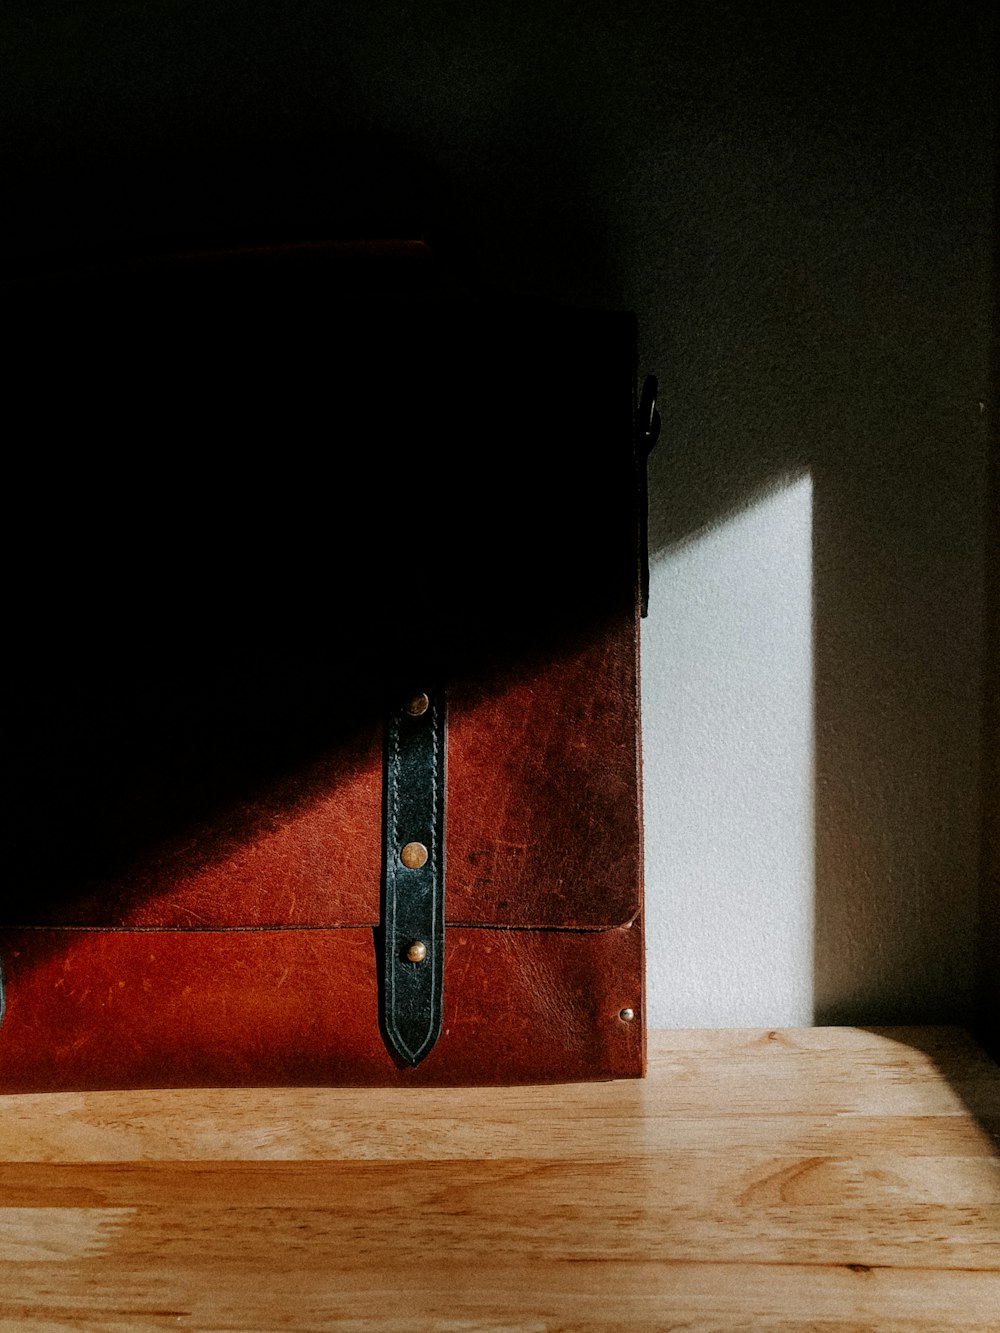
point(728, 737)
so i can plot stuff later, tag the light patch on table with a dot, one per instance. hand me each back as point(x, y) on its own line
point(37, 1235)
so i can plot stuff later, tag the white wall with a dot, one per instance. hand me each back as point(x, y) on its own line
point(728, 737)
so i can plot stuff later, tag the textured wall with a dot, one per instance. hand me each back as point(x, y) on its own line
point(798, 208)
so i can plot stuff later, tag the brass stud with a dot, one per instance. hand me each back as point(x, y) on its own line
point(626, 1015)
point(414, 855)
point(418, 705)
point(417, 951)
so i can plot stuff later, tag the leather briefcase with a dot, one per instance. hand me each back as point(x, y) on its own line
point(323, 756)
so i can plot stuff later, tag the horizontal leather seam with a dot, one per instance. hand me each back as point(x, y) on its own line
point(262, 930)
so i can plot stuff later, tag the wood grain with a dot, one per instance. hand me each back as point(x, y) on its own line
point(828, 1179)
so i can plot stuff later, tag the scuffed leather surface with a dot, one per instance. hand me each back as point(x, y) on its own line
point(544, 804)
point(542, 785)
point(542, 788)
point(106, 1009)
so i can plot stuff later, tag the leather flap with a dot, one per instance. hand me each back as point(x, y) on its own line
point(319, 501)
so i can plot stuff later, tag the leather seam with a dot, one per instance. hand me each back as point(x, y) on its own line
point(357, 925)
point(390, 869)
point(437, 885)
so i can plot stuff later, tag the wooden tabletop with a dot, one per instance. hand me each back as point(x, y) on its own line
point(813, 1179)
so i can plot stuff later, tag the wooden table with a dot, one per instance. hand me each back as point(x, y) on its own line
point(824, 1179)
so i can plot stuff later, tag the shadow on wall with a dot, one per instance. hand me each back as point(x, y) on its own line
point(864, 365)
point(886, 424)
point(835, 323)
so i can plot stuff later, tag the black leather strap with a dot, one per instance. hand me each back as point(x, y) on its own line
point(647, 432)
point(413, 853)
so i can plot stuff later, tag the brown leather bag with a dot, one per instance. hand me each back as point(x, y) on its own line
point(323, 711)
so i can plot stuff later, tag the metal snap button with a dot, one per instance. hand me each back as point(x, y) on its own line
point(414, 855)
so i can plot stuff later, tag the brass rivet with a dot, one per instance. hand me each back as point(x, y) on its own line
point(418, 705)
point(627, 1015)
point(414, 855)
point(417, 951)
